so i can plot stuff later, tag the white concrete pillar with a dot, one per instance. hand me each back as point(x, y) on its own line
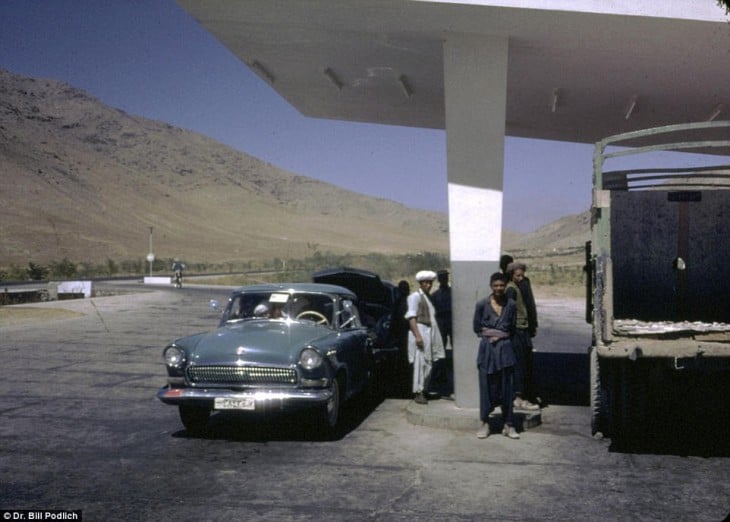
point(475, 78)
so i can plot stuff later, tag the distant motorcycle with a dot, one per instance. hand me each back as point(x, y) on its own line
point(177, 268)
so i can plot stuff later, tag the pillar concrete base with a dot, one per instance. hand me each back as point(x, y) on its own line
point(446, 415)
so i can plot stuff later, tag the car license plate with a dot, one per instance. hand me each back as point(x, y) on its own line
point(228, 403)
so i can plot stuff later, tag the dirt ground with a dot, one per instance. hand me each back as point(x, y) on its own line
point(16, 315)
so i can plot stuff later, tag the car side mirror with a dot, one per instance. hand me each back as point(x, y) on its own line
point(214, 305)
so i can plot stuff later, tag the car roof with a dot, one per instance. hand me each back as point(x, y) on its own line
point(297, 287)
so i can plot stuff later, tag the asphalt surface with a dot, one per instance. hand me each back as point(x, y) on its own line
point(81, 429)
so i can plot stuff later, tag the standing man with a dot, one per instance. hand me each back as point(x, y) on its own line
point(529, 301)
point(531, 391)
point(494, 324)
point(521, 340)
point(443, 369)
point(398, 336)
point(425, 344)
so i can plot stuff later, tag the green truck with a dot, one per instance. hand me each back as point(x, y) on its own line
point(658, 266)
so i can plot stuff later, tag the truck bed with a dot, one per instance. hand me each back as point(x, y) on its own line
point(636, 327)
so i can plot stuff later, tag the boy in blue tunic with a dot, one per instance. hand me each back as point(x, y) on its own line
point(494, 324)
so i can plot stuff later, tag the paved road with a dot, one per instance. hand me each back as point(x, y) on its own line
point(80, 429)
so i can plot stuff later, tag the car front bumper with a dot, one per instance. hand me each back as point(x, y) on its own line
point(265, 400)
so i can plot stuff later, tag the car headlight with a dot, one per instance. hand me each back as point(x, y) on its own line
point(310, 359)
point(174, 356)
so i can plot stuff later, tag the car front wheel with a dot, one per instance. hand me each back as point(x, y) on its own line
point(194, 418)
point(330, 411)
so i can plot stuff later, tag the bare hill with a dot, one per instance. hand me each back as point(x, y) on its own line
point(564, 235)
point(84, 181)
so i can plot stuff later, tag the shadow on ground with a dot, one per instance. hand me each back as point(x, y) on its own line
point(673, 425)
point(297, 426)
point(686, 414)
point(562, 378)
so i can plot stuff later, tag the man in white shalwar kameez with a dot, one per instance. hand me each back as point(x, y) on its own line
point(425, 344)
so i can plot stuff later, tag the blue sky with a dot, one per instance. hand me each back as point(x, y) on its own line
point(150, 58)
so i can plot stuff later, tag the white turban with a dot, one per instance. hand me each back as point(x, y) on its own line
point(425, 275)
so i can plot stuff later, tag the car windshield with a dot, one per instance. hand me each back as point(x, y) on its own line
point(315, 307)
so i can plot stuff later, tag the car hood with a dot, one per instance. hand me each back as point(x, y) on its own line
point(276, 343)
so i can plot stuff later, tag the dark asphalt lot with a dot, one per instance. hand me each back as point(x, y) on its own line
point(80, 428)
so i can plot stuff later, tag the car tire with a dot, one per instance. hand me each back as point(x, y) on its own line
point(194, 418)
point(329, 414)
point(332, 407)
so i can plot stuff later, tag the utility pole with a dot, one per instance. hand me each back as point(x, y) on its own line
point(151, 256)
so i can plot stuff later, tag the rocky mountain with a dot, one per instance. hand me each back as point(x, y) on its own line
point(84, 181)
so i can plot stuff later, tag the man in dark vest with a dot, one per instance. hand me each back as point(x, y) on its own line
point(442, 381)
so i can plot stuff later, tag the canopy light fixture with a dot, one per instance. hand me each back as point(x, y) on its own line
point(405, 85)
point(716, 111)
point(631, 107)
point(555, 99)
point(331, 76)
point(262, 71)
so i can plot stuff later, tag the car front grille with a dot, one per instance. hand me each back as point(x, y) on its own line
point(240, 375)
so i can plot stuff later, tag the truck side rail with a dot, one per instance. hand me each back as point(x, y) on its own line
point(712, 177)
point(621, 179)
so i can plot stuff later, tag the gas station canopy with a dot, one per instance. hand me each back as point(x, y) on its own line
point(577, 70)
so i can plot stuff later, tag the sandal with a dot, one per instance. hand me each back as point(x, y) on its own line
point(483, 432)
point(510, 432)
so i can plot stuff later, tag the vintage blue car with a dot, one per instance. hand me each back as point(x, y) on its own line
point(278, 348)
